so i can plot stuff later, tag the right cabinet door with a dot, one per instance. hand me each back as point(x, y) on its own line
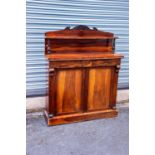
point(100, 81)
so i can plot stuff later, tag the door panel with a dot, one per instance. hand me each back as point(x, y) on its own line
point(99, 88)
point(69, 91)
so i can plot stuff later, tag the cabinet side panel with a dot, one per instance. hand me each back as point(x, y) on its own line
point(69, 85)
point(99, 88)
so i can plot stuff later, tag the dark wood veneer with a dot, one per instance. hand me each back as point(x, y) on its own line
point(83, 75)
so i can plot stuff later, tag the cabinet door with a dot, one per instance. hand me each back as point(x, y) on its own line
point(69, 91)
point(99, 83)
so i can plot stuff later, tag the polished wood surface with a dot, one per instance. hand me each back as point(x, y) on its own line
point(83, 56)
point(78, 46)
point(84, 63)
point(80, 39)
point(79, 32)
point(78, 117)
point(83, 75)
point(99, 88)
point(69, 88)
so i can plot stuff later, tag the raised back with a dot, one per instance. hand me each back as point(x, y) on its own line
point(79, 32)
point(79, 39)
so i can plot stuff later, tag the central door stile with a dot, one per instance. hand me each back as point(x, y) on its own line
point(85, 89)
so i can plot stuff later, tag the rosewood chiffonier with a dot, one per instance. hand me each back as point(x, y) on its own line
point(83, 75)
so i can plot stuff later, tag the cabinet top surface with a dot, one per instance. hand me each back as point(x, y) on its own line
point(79, 32)
point(83, 56)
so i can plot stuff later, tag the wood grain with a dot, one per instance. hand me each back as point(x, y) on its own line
point(99, 88)
point(114, 82)
point(79, 34)
point(78, 46)
point(51, 105)
point(78, 117)
point(83, 75)
point(90, 55)
point(88, 63)
point(69, 91)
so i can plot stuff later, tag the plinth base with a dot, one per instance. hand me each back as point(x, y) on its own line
point(78, 117)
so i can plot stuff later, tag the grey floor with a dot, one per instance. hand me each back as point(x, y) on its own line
point(97, 137)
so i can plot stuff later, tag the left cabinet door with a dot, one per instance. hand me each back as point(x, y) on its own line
point(68, 91)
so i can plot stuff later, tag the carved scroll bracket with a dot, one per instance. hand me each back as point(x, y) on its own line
point(80, 27)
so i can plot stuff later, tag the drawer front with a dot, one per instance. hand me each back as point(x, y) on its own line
point(84, 63)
